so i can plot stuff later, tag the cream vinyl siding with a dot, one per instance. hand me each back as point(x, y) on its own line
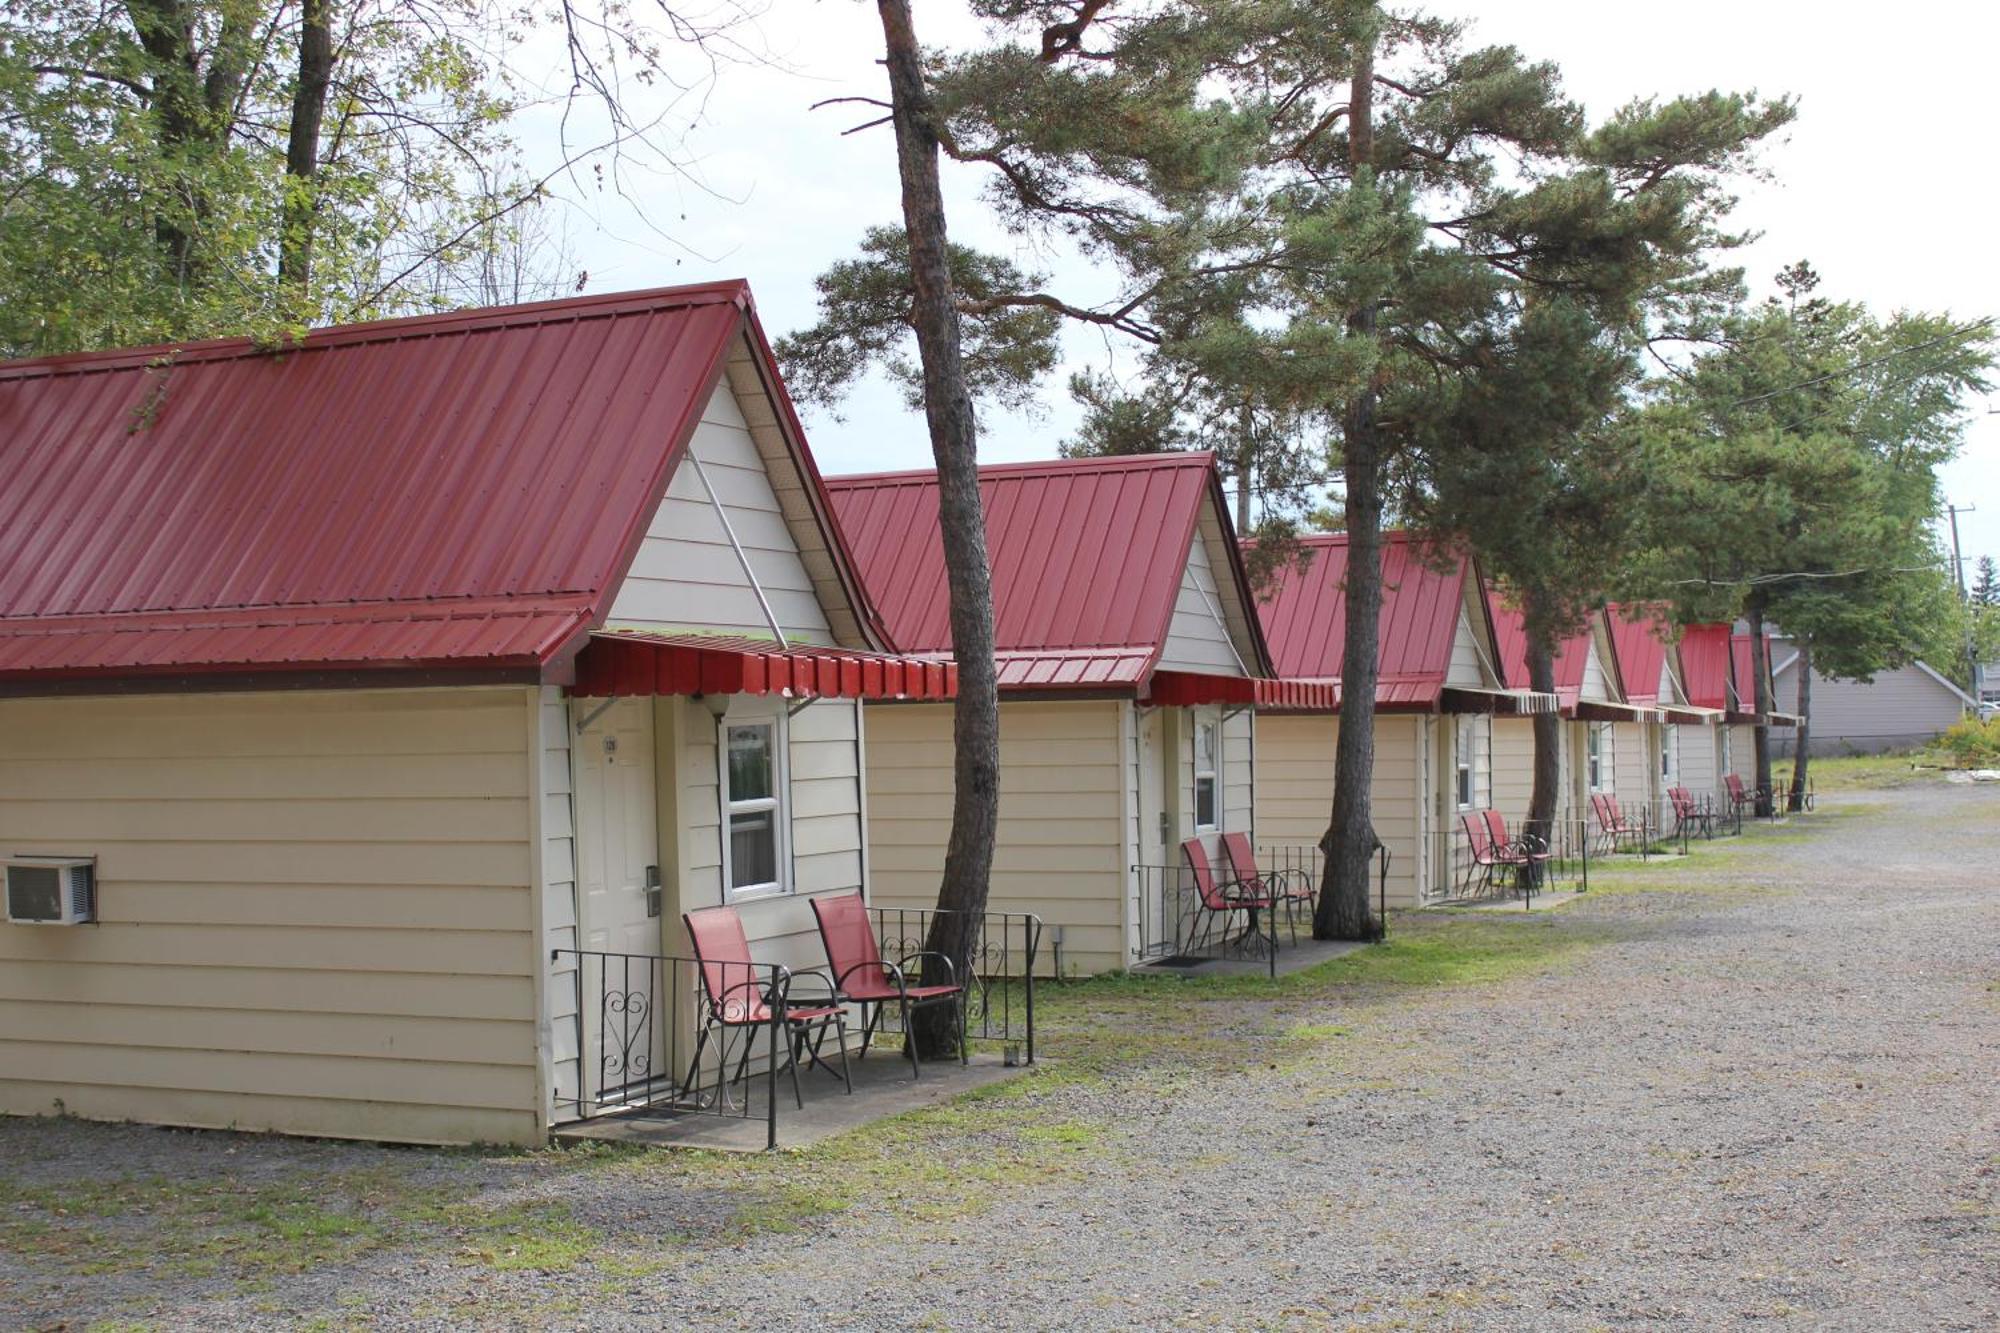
point(1239, 779)
point(558, 840)
point(1632, 763)
point(316, 908)
point(1295, 761)
point(1513, 767)
point(1595, 684)
point(822, 801)
point(1743, 753)
point(1466, 668)
point(1697, 759)
point(686, 575)
point(1061, 847)
point(781, 451)
point(1196, 639)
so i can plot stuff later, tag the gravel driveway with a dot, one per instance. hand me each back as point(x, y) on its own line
point(1759, 1087)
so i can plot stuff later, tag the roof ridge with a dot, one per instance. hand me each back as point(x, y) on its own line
point(1034, 467)
point(471, 319)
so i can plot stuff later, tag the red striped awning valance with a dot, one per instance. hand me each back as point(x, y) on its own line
point(632, 662)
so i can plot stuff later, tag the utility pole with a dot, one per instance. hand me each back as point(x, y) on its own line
point(1957, 560)
point(1958, 571)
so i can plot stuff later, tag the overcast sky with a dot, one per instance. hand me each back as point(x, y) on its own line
point(1884, 182)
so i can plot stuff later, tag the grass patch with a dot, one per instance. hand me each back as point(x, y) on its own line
point(1872, 772)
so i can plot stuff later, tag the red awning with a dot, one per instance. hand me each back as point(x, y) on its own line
point(1186, 689)
point(631, 662)
point(1499, 703)
point(1595, 710)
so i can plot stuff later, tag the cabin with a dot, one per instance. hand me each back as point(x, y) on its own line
point(1674, 746)
point(1439, 700)
point(1592, 700)
point(1709, 673)
point(388, 695)
point(1129, 658)
point(1902, 708)
point(1746, 717)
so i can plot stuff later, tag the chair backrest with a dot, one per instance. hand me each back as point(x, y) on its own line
point(1597, 809)
point(1242, 858)
point(728, 974)
point(1617, 810)
point(1204, 875)
point(1735, 785)
point(1683, 803)
point(847, 934)
point(1496, 828)
point(1477, 835)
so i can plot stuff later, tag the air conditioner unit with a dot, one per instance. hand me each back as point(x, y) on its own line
point(51, 890)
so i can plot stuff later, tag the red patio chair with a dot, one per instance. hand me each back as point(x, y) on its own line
point(1216, 899)
point(1291, 886)
point(1740, 796)
point(1527, 853)
point(734, 996)
point(1480, 839)
point(1611, 823)
point(861, 977)
point(1690, 814)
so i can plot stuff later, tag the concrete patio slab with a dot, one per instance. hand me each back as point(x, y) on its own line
point(1291, 958)
point(882, 1088)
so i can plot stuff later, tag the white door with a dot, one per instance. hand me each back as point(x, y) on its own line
point(618, 899)
point(1159, 859)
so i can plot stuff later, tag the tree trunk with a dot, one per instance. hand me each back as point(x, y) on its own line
point(1546, 795)
point(194, 107)
point(975, 806)
point(1801, 738)
point(1246, 471)
point(1761, 701)
point(302, 146)
point(1343, 911)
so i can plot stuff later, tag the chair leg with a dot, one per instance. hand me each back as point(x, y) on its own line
point(743, 1065)
point(868, 1031)
point(694, 1066)
point(846, 1077)
point(798, 1094)
point(910, 1042)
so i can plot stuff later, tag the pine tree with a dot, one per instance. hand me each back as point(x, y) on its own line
point(1986, 585)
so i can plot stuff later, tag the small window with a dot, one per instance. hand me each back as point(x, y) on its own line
point(752, 799)
point(1207, 763)
point(1464, 764)
point(1594, 754)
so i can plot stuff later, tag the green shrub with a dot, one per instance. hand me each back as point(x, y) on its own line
point(1972, 743)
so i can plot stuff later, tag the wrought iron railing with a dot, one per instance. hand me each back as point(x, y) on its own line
point(1178, 928)
point(651, 1037)
point(1000, 993)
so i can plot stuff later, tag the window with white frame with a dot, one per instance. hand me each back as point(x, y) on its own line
point(754, 858)
point(1464, 729)
point(1207, 771)
point(1595, 745)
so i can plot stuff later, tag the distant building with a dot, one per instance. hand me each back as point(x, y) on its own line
point(1897, 710)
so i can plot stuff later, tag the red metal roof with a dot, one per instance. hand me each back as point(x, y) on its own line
point(1640, 635)
point(1740, 672)
point(1305, 619)
point(1571, 655)
point(1087, 557)
point(451, 491)
point(1705, 666)
point(641, 662)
